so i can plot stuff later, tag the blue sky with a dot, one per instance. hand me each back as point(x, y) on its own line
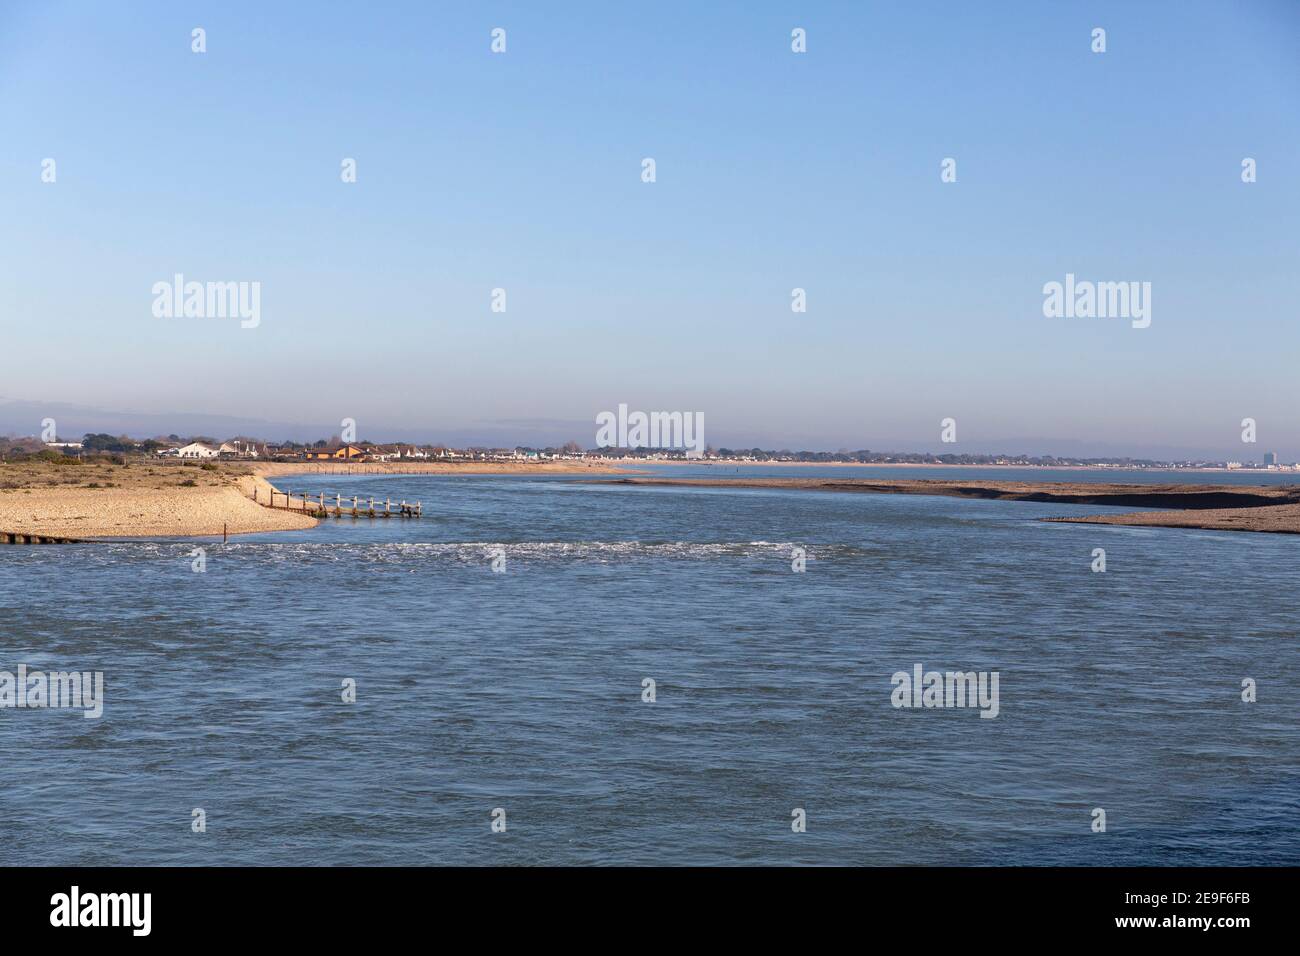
point(774, 171)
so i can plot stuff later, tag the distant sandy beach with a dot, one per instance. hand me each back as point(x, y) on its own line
point(272, 469)
point(710, 463)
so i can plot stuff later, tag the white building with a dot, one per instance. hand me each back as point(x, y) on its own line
point(196, 450)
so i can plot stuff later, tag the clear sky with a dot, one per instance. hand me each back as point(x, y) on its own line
point(775, 170)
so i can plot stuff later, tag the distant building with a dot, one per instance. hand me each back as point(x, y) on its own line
point(1270, 458)
point(346, 451)
point(196, 450)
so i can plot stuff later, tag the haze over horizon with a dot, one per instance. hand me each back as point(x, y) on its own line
point(23, 419)
point(775, 171)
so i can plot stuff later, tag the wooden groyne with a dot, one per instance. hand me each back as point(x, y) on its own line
point(321, 506)
point(22, 537)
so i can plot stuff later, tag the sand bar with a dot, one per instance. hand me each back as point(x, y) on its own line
point(1271, 508)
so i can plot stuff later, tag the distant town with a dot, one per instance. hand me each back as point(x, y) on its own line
point(244, 447)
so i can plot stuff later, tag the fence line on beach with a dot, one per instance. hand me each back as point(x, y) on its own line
point(317, 505)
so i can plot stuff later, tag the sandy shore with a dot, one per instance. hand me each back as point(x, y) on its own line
point(1271, 508)
point(272, 469)
point(136, 512)
point(151, 498)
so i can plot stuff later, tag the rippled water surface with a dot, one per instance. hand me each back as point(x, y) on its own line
point(522, 690)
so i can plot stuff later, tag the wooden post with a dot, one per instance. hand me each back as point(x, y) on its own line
point(224, 533)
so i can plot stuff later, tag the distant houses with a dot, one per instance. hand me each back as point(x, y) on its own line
point(245, 448)
point(345, 452)
point(195, 449)
point(242, 447)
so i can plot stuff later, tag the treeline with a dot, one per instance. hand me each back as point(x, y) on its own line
point(94, 443)
point(119, 443)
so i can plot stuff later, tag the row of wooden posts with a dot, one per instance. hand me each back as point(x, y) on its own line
point(360, 508)
point(23, 537)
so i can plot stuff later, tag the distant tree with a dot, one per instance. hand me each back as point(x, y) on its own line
point(103, 442)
